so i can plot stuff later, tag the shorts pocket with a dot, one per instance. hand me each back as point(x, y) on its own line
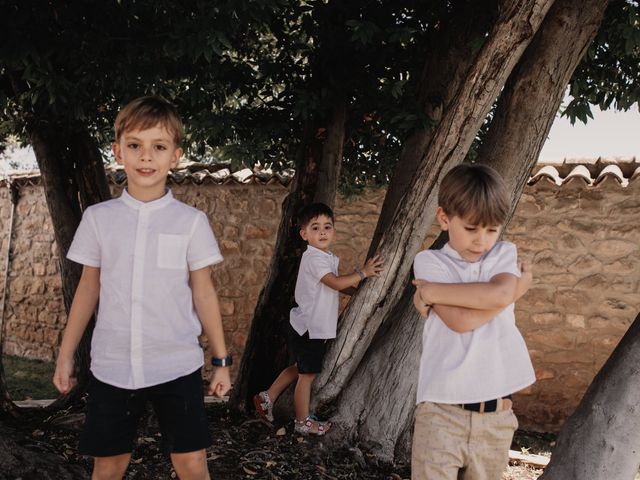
point(172, 251)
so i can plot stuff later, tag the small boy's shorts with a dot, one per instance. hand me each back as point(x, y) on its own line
point(113, 415)
point(307, 353)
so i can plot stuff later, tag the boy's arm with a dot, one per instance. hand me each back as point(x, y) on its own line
point(497, 293)
point(82, 307)
point(205, 301)
point(461, 319)
point(419, 305)
point(349, 291)
point(372, 268)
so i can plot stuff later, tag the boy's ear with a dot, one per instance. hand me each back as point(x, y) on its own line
point(443, 219)
point(177, 154)
point(303, 234)
point(115, 148)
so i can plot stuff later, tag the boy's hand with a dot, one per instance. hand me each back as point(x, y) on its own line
point(63, 378)
point(421, 307)
point(220, 382)
point(525, 280)
point(373, 266)
point(422, 290)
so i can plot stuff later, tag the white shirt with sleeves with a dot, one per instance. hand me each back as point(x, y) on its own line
point(317, 310)
point(489, 362)
point(146, 329)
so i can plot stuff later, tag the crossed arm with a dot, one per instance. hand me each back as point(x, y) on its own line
point(466, 306)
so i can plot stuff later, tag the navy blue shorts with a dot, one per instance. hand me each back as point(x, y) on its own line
point(113, 415)
point(307, 353)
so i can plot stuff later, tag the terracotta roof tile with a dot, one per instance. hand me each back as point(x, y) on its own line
point(580, 174)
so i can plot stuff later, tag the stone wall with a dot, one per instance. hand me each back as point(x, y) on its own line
point(583, 242)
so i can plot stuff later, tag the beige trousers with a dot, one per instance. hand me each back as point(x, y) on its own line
point(450, 443)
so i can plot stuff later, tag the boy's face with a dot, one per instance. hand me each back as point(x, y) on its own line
point(147, 155)
point(469, 240)
point(319, 232)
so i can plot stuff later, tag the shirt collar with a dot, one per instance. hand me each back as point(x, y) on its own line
point(451, 253)
point(153, 205)
point(309, 247)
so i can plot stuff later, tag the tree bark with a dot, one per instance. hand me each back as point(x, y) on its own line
point(19, 462)
point(7, 407)
point(523, 117)
point(601, 440)
point(317, 172)
point(73, 178)
point(448, 59)
point(371, 306)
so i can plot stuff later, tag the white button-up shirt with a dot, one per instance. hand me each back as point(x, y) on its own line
point(317, 310)
point(147, 329)
point(489, 362)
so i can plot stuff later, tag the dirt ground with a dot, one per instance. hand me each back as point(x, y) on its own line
point(244, 447)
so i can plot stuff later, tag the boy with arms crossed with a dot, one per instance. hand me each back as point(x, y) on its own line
point(146, 258)
point(473, 356)
point(314, 320)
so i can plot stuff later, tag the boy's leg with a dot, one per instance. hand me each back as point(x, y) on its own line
point(110, 427)
point(439, 441)
point(110, 468)
point(179, 406)
point(191, 465)
point(286, 378)
point(489, 442)
point(302, 395)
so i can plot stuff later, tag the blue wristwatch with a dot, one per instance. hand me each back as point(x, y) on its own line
point(222, 362)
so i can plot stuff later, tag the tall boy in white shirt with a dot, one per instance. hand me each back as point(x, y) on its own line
point(146, 258)
point(314, 320)
point(473, 356)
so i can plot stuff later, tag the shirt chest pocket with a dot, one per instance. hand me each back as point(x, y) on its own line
point(172, 251)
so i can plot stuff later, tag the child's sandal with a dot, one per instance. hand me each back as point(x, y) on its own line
point(311, 426)
point(263, 405)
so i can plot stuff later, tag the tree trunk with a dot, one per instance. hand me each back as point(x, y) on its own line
point(73, 178)
point(601, 440)
point(18, 462)
point(523, 117)
point(7, 407)
point(449, 57)
point(370, 306)
point(317, 171)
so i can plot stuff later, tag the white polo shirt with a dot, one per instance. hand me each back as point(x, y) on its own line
point(486, 363)
point(147, 329)
point(317, 310)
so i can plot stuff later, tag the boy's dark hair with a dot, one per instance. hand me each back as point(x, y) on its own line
point(476, 193)
point(312, 211)
point(147, 112)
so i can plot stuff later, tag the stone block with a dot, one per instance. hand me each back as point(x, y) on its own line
point(552, 341)
point(550, 318)
point(544, 374)
point(251, 232)
point(585, 264)
point(612, 248)
point(229, 246)
point(227, 308)
point(576, 321)
point(39, 269)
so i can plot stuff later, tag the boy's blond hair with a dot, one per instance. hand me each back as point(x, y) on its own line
point(476, 193)
point(147, 112)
